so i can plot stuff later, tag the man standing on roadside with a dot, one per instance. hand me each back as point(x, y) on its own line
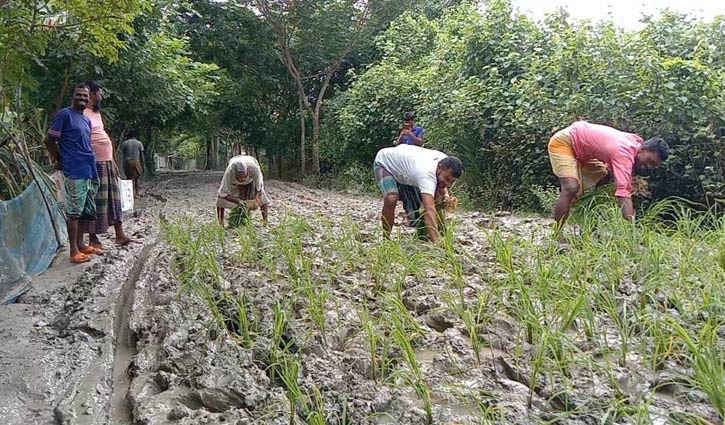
point(583, 154)
point(69, 145)
point(432, 172)
point(242, 184)
point(411, 134)
point(133, 164)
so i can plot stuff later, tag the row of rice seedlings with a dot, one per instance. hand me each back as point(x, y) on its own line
point(201, 274)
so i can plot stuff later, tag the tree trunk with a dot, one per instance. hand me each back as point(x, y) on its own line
point(302, 136)
point(215, 151)
point(149, 162)
point(207, 166)
point(63, 89)
point(316, 142)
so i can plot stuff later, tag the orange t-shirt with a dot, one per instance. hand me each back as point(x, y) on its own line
point(100, 142)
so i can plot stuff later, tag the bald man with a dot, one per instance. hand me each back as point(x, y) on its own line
point(242, 184)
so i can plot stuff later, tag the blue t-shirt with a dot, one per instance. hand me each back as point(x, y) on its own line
point(417, 132)
point(73, 130)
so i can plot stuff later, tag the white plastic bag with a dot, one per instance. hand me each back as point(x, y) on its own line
point(59, 182)
point(126, 189)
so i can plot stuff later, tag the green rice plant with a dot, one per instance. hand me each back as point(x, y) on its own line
point(504, 250)
point(707, 360)
point(317, 413)
point(472, 320)
point(621, 319)
point(244, 320)
point(414, 377)
point(288, 369)
point(382, 260)
point(316, 295)
point(375, 342)
point(279, 325)
point(397, 309)
point(251, 247)
point(345, 244)
point(490, 412)
point(538, 364)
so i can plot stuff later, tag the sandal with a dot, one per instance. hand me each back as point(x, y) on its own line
point(92, 250)
point(79, 258)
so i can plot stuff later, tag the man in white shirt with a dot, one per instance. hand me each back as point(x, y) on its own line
point(242, 184)
point(431, 171)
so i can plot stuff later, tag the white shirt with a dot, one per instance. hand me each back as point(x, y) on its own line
point(412, 165)
point(230, 185)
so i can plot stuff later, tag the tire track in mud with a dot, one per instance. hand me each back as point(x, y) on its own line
point(125, 344)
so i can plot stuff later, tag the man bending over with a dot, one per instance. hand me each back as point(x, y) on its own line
point(429, 170)
point(583, 154)
point(242, 184)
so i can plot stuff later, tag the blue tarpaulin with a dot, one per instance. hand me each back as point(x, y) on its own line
point(28, 240)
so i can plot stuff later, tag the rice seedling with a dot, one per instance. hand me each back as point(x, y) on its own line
point(504, 250)
point(707, 360)
point(316, 296)
point(317, 413)
point(473, 320)
point(373, 340)
point(397, 309)
point(621, 319)
point(245, 322)
point(288, 369)
point(414, 377)
point(251, 247)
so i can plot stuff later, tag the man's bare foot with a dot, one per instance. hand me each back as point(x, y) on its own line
point(125, 241)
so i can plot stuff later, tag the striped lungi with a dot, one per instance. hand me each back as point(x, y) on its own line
point(108, 201)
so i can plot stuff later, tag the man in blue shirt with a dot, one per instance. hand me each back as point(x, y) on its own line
point(69, 144)
point(411, 134)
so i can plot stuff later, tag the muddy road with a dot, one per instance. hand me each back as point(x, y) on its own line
point(309, 320)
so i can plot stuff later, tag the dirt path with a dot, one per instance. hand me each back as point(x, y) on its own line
point(119, 341)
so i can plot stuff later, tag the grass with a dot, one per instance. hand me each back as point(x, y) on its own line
point(645, 299)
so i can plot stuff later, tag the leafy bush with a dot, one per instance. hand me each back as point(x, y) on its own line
point(492, 87)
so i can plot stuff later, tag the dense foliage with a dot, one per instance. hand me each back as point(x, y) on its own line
point(202, 79)
point(492, 88)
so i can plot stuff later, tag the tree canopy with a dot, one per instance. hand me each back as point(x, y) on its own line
point(202, 78)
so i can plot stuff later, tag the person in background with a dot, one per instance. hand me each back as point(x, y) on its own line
point(108, 197)
point(133, 163)
point(69, 144)
point(584, 154)
point(411, 134)
point(242, 183)
point(431, 171)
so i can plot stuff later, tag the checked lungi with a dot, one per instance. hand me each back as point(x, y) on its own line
point(108, 201)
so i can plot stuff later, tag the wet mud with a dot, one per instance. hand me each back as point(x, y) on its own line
point(125, 342)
